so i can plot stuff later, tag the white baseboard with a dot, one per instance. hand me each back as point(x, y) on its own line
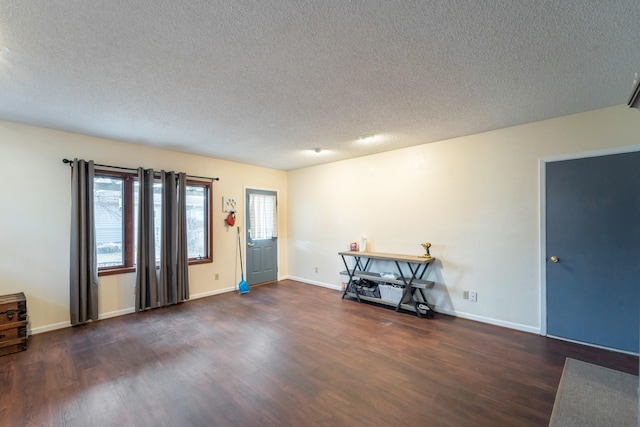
point(489, 320)
point(212, 293)
point(116, 313)
point(462, 315)
point(455, 313)
point(312, 282)
point(67, 324)
point(122, 312)
point(52, 327)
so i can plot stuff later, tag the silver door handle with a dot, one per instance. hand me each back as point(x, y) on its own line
point(554, 259)
point(251, 244)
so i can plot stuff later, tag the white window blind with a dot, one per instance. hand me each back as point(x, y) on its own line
point(263, 211)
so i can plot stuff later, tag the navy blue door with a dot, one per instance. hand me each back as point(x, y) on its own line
point(593, 250)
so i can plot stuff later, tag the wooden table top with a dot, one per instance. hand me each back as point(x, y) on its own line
point(389, 257)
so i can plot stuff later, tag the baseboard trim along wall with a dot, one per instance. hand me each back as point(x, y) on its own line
point(462, 315)
point(490, 321)
point(122, 312)
point(212, 293)
point(48, 328)
point(455, 313)
point(313, 282)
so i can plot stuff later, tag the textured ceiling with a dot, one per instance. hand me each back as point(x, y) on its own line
point(263, 82)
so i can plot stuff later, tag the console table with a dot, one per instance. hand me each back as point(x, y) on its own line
point(411, 283)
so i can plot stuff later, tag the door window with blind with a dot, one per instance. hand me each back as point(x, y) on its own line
point(263, 216)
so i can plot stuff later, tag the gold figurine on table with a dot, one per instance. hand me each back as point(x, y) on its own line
point(426, 247)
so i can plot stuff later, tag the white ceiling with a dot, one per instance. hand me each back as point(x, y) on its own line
point(263, 82)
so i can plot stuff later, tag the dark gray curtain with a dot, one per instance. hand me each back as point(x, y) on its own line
point(183, 253)
point(83, 271)
point(174, 260)
point(147, 292)
point(170, 283)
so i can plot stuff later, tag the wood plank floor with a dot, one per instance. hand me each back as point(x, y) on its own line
point(287, 354)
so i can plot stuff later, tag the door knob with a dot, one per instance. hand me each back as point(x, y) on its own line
point(554, 259)
point(251, 244)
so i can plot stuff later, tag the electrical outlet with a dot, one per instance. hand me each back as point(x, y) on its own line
point(465, 294)
point(316, 269)
point(473, 296)
point(217, 276)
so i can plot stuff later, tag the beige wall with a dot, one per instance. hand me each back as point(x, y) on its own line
point(475, 198)
point(35, 215)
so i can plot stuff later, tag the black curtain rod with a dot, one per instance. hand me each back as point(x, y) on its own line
point(70, 162)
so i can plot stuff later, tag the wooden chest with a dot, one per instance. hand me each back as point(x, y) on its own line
point(13, 323)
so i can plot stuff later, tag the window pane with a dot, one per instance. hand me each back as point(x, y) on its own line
point(196, 221)
point(263, 216)
point(157, 217)
point(108, 202)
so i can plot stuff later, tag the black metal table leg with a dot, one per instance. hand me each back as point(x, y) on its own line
point(350, 284)
point(408, 287)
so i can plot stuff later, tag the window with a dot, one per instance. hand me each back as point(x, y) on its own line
point(108, 193)
point(263, 216)
point(198, 212)
point(157, 216)
point(116, 200)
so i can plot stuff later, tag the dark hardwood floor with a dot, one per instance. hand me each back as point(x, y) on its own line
point(287, 354)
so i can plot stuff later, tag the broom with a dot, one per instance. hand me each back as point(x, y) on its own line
point(243, 286)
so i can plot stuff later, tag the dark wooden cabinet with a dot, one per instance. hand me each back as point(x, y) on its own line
point(13, 323)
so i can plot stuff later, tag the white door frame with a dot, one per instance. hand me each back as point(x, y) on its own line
point(543, 216)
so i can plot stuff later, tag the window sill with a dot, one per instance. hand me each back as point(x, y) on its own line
point(195, 261)
point(116, 270)
point(123, 270)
